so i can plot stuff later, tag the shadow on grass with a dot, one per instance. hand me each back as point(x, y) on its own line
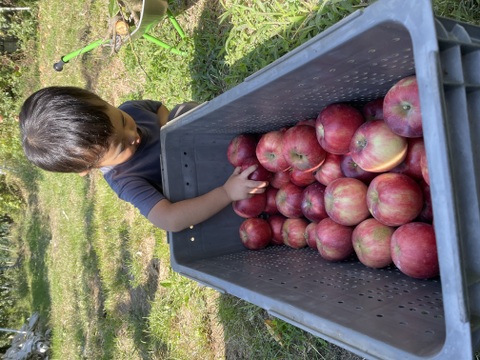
point(92, 285)
point(208, 68)
point(210, 72)
point(37, 236)
point(136, 306)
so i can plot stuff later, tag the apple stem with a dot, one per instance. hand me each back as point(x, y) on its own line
point(362, 143)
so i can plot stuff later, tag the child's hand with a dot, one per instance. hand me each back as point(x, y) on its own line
point(239, 187)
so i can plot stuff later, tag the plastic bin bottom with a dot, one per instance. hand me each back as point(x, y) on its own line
point(379, 303)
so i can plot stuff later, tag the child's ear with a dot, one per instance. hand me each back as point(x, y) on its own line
point(84, 173)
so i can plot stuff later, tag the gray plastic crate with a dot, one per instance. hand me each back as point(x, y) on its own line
point(378, 314)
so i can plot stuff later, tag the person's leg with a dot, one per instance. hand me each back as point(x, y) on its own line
point(181, 109)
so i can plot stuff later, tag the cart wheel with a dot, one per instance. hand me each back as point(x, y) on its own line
point(59, 65)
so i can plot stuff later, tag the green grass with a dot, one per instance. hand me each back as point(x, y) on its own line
point(97, 270)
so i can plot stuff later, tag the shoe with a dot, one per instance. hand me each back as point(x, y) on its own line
point(181, 109)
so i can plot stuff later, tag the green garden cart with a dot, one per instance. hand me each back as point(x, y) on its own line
point(137, 20)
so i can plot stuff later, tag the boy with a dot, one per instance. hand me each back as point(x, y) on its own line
point(69, 129)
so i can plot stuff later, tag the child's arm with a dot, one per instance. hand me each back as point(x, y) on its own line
point(180, 215)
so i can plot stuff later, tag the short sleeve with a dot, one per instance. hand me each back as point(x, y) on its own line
point(139, 179)
point(139, 192)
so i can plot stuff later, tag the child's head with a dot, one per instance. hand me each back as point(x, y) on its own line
point(65, 129)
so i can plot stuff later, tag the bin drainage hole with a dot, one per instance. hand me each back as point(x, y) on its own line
point(379, 315)
point(186, 165)
point(188, 184)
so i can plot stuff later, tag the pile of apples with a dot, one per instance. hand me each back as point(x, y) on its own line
point(350, 182)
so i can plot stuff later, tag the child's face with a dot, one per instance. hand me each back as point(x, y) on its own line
point(125, 140)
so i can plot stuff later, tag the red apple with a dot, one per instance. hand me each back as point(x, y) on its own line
point(334, 241)
point(269, 151)
point(412, 166)
point(345, 201)
point(271, 203)
point(289, 200)
point(240, 148)
point(330, 169)
point(276, 223)
point(401, 108)
point(371, 242)
point(424, 167)
point(260, 173)
point(335, 127)
point(301, 177)
point(293, 232)
point(250, 207)
point(376, 148)
point(351, 169)
point(394, 199)
point(280, 178)
point(373, 110)
point(311, 235)
point(426, 215)
point(301, 148)
point(414, 250)
point(255, 233)
point(313, 202)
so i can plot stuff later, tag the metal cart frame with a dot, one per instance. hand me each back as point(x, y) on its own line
point(151, 13)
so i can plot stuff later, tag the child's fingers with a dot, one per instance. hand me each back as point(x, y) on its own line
point(258, 187)
point(246, 173)
point(256, 191)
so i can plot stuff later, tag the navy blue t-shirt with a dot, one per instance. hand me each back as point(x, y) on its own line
point(138, 180)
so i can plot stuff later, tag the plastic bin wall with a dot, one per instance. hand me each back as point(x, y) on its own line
point(378, 314)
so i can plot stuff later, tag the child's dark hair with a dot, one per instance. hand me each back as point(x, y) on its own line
point(65, 129)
